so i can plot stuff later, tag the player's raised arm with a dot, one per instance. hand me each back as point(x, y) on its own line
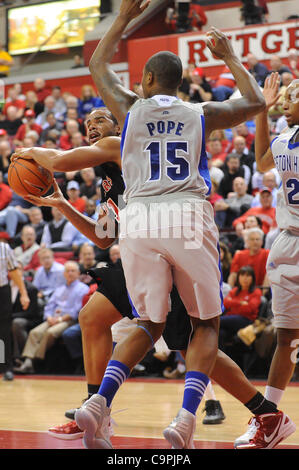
point(263, 153)
point(117, 98)
point(105, 150)
point(232, 112)
point(84, 224)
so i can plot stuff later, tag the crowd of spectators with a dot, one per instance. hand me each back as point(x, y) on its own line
point(44, 241)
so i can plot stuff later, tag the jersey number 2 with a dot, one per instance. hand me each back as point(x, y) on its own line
point(179, 169)
point(293, 183)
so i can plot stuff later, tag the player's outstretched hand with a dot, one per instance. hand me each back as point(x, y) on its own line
point(22, 152)
point(271, 89)
point(219, 44)
point(56, 199)
point(132, 8)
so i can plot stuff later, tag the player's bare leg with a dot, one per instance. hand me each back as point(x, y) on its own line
point(231, 378)
point(284, 358)
point(131, 350)
point(202, 350)
point(266, 415)
point(96, 319)
point(200, 359)
point(94, 415)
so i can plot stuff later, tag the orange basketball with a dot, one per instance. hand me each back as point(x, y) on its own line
point(26, 177)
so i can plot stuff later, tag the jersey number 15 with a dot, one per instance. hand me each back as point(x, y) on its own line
point(179, 168)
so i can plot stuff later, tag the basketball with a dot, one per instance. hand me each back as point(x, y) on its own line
point(26, 177)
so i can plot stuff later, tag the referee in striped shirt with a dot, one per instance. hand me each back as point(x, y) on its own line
point(8, 270)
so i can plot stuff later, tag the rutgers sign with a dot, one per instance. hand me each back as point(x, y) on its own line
point(262, 41)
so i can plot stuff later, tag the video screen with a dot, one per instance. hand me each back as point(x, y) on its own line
point(52, 25)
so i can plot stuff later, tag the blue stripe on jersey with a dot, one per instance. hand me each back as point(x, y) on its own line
point(203, 163)
point(123, 134)
point(134, 311)
point(272, 142)
point(293, 146)
point(221, 279)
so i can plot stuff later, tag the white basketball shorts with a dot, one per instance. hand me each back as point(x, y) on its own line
point(175, 241)
point(283, 273)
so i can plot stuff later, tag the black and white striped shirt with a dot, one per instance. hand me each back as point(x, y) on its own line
point(8, 262)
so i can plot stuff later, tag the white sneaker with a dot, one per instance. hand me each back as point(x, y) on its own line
point(94, 418)
point(253, 426)
point(273, 428)
point(180, 432)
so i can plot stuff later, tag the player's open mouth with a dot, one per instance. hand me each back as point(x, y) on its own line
point(94, 136)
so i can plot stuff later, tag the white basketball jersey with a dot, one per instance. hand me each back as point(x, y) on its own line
point(163, 148)
point(286, 157)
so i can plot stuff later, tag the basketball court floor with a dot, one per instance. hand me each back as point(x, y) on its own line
point(141, 410)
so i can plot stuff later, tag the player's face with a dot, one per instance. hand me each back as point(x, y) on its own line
point(99, 124)
point(291, 104)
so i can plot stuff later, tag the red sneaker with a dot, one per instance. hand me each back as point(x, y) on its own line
point(271, 429)
point(66, 431)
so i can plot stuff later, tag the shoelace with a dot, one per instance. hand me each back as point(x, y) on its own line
point(109, 423)
point(96, 408)
point(253, 427)
point(112, 422)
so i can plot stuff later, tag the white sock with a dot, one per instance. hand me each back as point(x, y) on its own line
point(27, 362)
point(273, 394)
point(209, 393)
point(181, 367)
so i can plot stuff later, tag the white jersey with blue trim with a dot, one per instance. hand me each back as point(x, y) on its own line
point(163, 149)
point(285, 152)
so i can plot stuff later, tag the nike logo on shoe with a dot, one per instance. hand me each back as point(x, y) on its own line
point(272, 435)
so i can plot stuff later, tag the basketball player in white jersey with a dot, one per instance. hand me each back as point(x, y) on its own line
point(101, 313)
point(283, 261)
point(164, 163)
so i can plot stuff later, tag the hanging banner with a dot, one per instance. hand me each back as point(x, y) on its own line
point(262, 41)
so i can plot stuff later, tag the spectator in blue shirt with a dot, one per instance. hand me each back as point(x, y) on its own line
point(49, 276)
point(61, 311)
point(257, 69)
point(88, 101)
